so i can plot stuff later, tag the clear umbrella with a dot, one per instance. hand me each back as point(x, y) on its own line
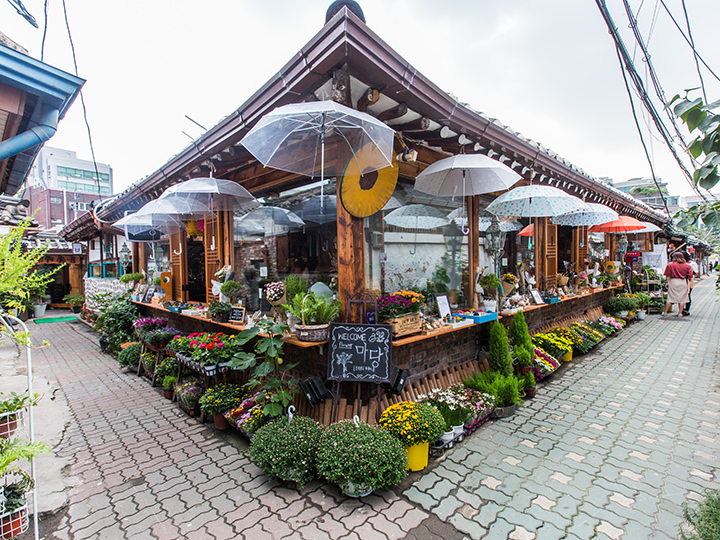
point(506, 225)
point(256, 221)
point(318, 209)
point(466, 174)
point(417, 217)
point(294, 138)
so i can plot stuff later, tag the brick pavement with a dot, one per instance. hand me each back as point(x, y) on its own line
point(610, 448)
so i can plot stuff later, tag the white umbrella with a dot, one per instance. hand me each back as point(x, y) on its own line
point(255, 222)
point(594, 215)
point(162, 215)
point(293, 138)
point(649, 227)
point(417, 217)
point(535, 201)
point(506, 225)
point(466, 174)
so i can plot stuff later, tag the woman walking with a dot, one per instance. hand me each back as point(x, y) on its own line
point(679, 275)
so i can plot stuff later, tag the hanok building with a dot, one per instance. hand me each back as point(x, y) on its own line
point(348, 63)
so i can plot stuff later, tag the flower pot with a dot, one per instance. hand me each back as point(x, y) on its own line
point(567, 356)
point(8, 425)
point(641, 315)
point(530, 392)
point(504, 412)
point(361, 490)
point(490, 305)
point(459, 432)
point(447, 438)
point(404, 325)
point(312, 333)
point(168, 394)
point(221, 317)
point(280, 301)
point(417, 455)
point(221, 423)
point(623, 314)
point(39, 310)
point(14, 524)
point(524, 370)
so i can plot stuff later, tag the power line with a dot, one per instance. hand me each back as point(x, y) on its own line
point(695, 54)
point(642, 93)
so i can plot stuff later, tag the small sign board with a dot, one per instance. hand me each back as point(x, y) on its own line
point(77, 248)
point(149, 293)
point(359, 352)
point(237, 314)
point(536, 296)
point(443, 305)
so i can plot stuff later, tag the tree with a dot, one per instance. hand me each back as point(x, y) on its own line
point(19, 274)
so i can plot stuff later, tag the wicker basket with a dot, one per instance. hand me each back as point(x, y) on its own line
point(312, 333)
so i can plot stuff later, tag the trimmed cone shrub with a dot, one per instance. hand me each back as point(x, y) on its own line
point(519, 334)
point(287, 450)
point(499, 351)
point(130, 355)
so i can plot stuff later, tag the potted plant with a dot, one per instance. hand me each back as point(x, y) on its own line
point(37, 293)
point(529, 384)
point(315, 313)
point(158, 338)
point(168, 384)
point(401, 310)
point(270, 375)
point(294, 285)
point(76, 300)
point(508, 282)
point(452, 408)
point(360, 458)
point(286, 449)
point(505, 389)
point(490, 283)
point(188, 394)
point(16, 483)
point(220, 399)
point(275, 293)
point(129, 357)
point(415, 425)
point(644, 302)
point(498, 355)
point(219, 311)
point(11, 407)
point(621, 305)
point(230, 289)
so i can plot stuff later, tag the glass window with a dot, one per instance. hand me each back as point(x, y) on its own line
point(416, 242)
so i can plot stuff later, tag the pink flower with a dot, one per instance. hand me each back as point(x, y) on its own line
point(202, 345)
point(220, 344)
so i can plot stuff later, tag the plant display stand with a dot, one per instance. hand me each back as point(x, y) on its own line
point(18, 521)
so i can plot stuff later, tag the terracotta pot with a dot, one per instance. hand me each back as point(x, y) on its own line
point(530, 392)
point(221, 423)
point(524, 370)
point(168, 394)
point(8, 426)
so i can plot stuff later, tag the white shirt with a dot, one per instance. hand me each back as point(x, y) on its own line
point(694, 267)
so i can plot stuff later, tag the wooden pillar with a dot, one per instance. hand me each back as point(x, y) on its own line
point(539, 238)
point(351, 259)
point(473, 248)
point(75, 276)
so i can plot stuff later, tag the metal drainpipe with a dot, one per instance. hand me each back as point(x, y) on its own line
point(46, 128)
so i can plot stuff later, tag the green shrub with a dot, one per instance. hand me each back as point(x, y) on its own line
point(506, 389)
point(116, 322)
point(130, 355)
point(499, 351)
point(705, 519)
point(519, 334)
point(620, 303)
point(295, 285)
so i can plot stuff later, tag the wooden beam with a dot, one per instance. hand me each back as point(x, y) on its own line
point(341, 86)
point(369, 97)
point(395, 112)
point(351, 259)
point(420, 124)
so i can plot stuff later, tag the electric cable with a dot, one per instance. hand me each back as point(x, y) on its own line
point(45, 29)
point(23, 12)
point(82, 101)
point(642, 140)
point(695, 54)
point(642, 93)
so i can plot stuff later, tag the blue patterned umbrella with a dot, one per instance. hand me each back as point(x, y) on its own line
point(535, 201)
point(459, 216)
point(594, 215)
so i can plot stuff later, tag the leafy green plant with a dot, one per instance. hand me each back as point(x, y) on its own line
point(135, 277)
point(313, 309)
point(498, 350)
point(130, 355)
point(490, 283)
point(704, 520)
point(74, 299)
point(644, 300)
point(506, 389)
point(168, 382)
point(524, 357)
point(16, 402)
point(15, 449)
point(157, 281)
point(368, 456)
point(116, 322)
point(270, 374)
point(294, 285)
point(413, 423)
point(219, 308)
point(287, 449)
point(167, 366)
point(617, 304)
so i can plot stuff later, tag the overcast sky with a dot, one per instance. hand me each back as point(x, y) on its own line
point(545, 68)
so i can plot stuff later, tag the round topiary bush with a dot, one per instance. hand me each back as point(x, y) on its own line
point(286, 449)
point(130, 355)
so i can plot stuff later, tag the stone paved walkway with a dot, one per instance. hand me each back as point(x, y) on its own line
point(610, 448)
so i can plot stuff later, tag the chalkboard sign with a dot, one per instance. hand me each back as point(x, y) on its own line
point(237, 314)
point(359, 352)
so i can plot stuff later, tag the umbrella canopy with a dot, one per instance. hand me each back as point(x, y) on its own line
point(468, 174)
point(417, 216)
point(596, 214)
point(155, 224)
point(318, 209)
point(256, 221)
point(535, 201)
point(216, 193)
point(293, 137)
point(649, 227)
point(620, 225)
point(506, 225)
point(528, 231)
point(173, 206)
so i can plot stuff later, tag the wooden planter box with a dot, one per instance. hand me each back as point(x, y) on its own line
point(405, 325)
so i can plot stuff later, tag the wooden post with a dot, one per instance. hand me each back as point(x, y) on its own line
point(351, 259)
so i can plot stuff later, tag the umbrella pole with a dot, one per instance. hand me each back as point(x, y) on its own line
point(322, 165)
point(464, 228)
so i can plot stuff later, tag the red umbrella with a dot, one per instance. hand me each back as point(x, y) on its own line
point(528, 230)
point(622, 224)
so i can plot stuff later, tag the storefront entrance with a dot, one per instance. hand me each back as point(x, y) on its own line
point(196, 290)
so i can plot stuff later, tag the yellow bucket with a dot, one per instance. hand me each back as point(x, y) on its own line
point(417, 455)
point(567, 356)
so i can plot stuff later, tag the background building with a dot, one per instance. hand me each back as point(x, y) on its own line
point(62, 187)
